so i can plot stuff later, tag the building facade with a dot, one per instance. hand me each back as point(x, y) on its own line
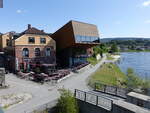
point(74, 42)
point(5, 40)
point(31, 48)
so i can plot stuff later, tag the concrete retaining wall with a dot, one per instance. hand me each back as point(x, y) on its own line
point(85, 107)
point(117, 107)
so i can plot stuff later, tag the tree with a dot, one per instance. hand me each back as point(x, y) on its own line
point(114, 48)
point(133, 81)
point(100, 49)
point(96, 50)
point(67, 103)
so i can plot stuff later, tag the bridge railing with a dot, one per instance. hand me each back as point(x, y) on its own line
point(113, 90)
point(99, 101)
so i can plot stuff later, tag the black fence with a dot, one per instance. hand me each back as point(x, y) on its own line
point(99, 101)
point(113, 90)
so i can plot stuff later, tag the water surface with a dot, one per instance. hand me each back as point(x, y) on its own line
point(139, 61)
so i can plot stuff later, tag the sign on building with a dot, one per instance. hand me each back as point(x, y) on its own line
point(1, 3)
point(2, 76)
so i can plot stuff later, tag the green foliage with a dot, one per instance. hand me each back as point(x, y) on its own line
point(37, 70)
point(100, 49)
point(146, 85)
point(130, 45)
point(109, 74)
point(92, 60)
point(133, 81)
point(67, 103)
point(109, 57)
point(114, 48)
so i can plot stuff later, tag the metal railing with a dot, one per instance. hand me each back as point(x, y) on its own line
point(99, 101)
point(113, 90)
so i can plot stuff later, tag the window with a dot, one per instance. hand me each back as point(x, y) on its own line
point(37, 52)
point(48, 52)
point(82, 38)
point(78, 38)
point(31, 40)
point(42, 40)
point(86, 39)
point(25, 52)
point(7, 42)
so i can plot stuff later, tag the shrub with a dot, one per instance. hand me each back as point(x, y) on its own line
point(37, 70)
point(133, 81)
point(67, 103)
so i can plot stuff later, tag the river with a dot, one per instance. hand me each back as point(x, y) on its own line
point(139, 61)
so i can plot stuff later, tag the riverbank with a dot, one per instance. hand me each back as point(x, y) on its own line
point(109, 74)
point(112, 74)
point(113, 58)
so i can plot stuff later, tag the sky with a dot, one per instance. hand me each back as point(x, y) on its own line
point(114, 18)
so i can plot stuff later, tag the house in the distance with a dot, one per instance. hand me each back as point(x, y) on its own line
point(4, 40)
point(29, 49)
point(74, 42)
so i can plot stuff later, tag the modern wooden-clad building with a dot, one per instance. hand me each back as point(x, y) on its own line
point(74, 42)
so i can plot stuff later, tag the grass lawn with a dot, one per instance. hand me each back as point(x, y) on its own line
point(92, 60)
point(109, 74)
point(109, 57)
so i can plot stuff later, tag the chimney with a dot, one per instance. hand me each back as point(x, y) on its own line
point(29, 26)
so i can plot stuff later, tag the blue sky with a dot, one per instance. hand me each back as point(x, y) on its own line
point(114, 18)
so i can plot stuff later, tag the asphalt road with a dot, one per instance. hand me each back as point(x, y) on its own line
point(43, 94)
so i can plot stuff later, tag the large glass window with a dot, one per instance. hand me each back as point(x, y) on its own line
point(37, 52)
point(89, 39)
point(84, 38)
point(25, 52)
point(42, 40)
point(48, 52)
point(92, 39)
point(77, 38)
point(31, 40)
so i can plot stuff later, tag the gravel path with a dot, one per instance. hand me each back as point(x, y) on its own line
point(45, 93)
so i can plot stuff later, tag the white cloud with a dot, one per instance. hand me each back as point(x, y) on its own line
point(146, 3)
point(19, 11)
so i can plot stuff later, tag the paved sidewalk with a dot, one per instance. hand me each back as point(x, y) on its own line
point(43, 94)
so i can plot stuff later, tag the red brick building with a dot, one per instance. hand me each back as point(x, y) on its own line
point(32, 48)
